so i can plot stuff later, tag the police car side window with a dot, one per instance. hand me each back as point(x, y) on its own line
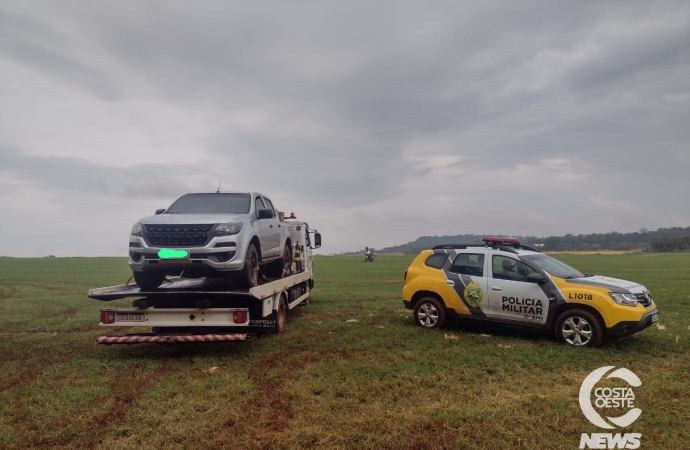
point(436, 261)
point(505, 268)
point(469, 264)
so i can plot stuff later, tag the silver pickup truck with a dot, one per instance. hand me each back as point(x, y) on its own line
point(211, 234)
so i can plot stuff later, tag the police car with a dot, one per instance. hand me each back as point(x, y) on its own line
point(506, 282)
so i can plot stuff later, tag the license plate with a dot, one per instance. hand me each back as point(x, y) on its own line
point(130, 317)
point(173, 253)
point(655, 317)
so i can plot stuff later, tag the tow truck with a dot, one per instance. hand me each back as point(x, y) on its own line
point(212, 309)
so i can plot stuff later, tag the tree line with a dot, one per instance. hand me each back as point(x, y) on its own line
point(661, 240)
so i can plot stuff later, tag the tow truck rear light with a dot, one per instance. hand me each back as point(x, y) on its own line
point(107, 316)
point(239, 316)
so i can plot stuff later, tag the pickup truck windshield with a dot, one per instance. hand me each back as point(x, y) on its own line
point(553, 266)
point(211, 204)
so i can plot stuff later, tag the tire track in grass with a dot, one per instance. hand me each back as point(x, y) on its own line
point(79, 431)
point(267, 414)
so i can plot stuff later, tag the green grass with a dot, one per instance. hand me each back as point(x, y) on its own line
point(379, 382)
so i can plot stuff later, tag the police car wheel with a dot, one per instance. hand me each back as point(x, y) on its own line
point(579, 328)
point(430, 313)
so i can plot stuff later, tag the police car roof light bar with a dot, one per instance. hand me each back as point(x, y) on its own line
point(500, 240)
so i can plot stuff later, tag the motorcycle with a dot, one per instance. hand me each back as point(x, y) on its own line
point(369, 256)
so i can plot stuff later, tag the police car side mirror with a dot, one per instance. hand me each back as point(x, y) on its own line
point(160, 211)
point(536, 278)
point(317, 240)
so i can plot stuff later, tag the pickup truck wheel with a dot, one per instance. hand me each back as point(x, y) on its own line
point(148, 281)
point(430, 313)
point(287, 260)
point(249, 275)
point(281, 315)
point(579, 328)
point(282, 267)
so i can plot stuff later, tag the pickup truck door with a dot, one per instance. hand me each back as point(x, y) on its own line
point(268, 229)
point(511, 296)
point(274, 229)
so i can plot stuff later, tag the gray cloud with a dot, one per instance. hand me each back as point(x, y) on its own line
point(75, 177)
point(363, 109)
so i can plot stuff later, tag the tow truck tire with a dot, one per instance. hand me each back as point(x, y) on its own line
point(281, 315)
point(249, 275)
point(148, 280)
point(430, 313)
point(579, 328)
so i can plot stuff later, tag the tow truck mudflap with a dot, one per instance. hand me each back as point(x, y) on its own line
point(152, 338)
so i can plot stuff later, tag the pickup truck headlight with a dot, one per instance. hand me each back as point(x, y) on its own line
point(137, 230)
point(624, 299)
point(227, 229)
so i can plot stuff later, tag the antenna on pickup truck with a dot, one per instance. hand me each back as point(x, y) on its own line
point(218, 190)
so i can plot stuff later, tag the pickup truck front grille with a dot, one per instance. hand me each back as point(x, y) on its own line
point(178, 235)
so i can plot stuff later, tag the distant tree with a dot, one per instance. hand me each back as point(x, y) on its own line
point(671, 244)
point(595, 241)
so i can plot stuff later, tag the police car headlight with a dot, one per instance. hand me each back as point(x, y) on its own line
point(227, 229)
point(137, 230)
point(624, 299)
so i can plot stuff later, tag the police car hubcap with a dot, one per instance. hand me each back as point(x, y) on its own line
point(576, 331)
point(427, 315)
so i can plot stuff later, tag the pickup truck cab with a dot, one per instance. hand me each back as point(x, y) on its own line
point(505, 282)
point(235, 234)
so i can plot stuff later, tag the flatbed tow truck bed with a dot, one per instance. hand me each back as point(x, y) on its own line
point(202, 310)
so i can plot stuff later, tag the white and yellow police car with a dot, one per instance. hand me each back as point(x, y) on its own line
point(506, 282)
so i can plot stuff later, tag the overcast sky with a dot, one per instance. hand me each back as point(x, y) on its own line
point(376, 122)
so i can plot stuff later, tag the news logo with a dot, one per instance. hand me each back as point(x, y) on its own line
point(613, 399)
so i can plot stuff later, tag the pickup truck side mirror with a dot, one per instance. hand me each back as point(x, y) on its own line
point(160, 211)
point(265, 214)
point(536, 278)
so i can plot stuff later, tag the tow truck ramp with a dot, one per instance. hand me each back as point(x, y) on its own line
point(202, 310)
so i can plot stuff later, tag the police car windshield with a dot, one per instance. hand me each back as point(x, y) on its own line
point(211, 204)
point(553, 266)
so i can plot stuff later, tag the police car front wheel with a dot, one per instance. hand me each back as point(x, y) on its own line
point(579, 328)
point(430, 313)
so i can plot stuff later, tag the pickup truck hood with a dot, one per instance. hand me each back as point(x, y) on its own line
point(614, 284)
point(192, 219)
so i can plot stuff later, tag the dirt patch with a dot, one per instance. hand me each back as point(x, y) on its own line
point(7, 292)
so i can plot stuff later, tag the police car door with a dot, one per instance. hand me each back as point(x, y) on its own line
point(467, 275)
point(511, 296)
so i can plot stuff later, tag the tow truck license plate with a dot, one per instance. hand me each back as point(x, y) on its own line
point(655, 317)
point(170, 253)
point(130, 317)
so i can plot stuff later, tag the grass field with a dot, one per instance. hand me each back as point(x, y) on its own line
point(379, 382)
